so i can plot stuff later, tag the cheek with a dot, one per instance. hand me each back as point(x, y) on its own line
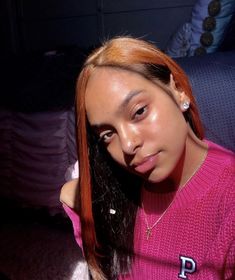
point(152, 125)
point(167, 126)
point(153, 118)
point(171, 119)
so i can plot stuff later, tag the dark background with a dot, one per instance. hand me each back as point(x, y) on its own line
point(43, 25)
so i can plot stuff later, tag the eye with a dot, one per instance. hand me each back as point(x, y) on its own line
point(106, 136)
point(140, 113)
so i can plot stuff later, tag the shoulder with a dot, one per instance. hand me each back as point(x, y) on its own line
point(69, 192)
point(225, 171)
point(218, 174)
point(221, 157)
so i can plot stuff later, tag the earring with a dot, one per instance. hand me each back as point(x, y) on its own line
point(185, 105)
point(112, 211)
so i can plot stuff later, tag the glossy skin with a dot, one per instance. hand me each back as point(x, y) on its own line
point(142, 127)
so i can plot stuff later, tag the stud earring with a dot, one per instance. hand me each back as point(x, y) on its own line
point(112, 211)
point(185, 105)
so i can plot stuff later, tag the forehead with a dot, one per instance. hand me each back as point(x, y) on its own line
point(103, 78)
point(107, 88)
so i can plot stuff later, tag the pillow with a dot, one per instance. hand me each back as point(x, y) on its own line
point(180, 43)
point(208, 24)
point(35, 151)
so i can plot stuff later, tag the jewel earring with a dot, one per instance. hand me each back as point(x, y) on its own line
point(112, 211)
point(185, 105)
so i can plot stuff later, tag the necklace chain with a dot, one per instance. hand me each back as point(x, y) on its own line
point(150, 228)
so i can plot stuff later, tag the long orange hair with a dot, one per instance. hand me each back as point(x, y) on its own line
point(132, 55)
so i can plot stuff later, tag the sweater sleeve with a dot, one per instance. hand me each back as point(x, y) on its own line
point(227, 233)
point(228, 237)
point(221, 256)
point(76, 224)
point(230, 262)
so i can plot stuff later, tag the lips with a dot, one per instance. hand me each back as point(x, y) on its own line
point(147, 164)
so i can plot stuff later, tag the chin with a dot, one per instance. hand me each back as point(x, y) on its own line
point(157, 176)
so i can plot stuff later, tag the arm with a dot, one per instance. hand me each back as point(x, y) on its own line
point(68, 193)
point(68, 199)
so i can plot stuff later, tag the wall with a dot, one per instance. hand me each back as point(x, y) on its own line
point(8, 41)
point(49, 24)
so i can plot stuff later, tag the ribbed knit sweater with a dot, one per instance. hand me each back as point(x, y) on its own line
point(195, 238)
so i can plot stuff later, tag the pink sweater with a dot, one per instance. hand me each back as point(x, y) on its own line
point(195, 239)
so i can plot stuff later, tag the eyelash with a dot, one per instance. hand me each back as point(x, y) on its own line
point(102, 137)
point(137, 116)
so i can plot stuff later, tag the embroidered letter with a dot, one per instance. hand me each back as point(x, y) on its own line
point(188, 265)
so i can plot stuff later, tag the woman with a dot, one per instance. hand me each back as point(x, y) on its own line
point(154, 199)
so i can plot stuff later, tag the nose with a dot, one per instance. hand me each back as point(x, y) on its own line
point(130, 139)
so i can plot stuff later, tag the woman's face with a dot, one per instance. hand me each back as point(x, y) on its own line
point(142, 127)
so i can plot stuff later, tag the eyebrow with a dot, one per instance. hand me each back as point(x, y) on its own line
point(128, 98)
point(123, 104)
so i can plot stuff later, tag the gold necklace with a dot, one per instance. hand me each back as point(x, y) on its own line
point(149, 228)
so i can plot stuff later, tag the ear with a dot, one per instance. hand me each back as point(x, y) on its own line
point(180, 97)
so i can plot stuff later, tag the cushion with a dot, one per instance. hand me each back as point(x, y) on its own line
point(206, 30)
point(35, 151)
point(180, 43)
